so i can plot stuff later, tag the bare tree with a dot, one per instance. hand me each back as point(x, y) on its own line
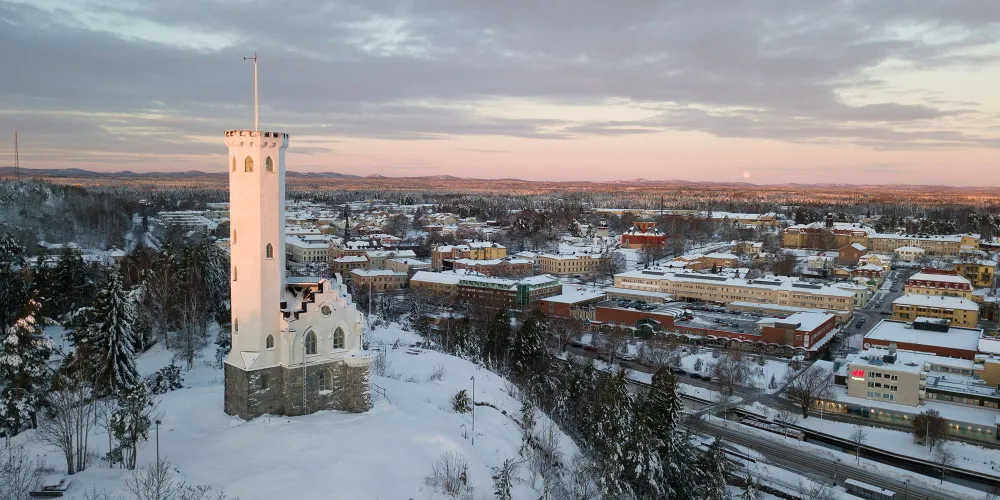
point(930, 427)
point(545, 459)
point(450, 475)
point(19, 473)
point(157, 482)
point(858, 437)
point(944, 458)
point(817, 491)
point(808, 387)
point(577, 482)
point(193, 317)
point(786, 418)
point(732, 370)
point(71, 422)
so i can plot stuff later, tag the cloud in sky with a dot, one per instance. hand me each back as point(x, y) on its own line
point(566, 89)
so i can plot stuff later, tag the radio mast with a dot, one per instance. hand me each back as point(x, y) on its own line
point(17, 159)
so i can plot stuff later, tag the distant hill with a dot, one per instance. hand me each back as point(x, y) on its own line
point(79, 172)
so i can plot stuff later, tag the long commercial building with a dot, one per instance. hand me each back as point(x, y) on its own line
point(720, 289)
point(935, 246)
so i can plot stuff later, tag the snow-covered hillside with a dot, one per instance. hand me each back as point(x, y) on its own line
point(385, 453)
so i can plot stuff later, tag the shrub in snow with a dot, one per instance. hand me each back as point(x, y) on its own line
point(437, 373)
point(698, 365)
point(165, 379)
point(450, 476)
point(19, 473)
point(461, 402)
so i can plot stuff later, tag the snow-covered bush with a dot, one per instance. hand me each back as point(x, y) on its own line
point(461, 402)
point(165, 379)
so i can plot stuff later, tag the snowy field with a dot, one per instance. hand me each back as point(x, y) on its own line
point(383, 454)
point(967, 456)
point(762, 377)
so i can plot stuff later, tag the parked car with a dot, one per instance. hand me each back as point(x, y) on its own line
point(624, 356)
point(695, 375)
point(884, 313)
point(589, 348)
point(678, 371)
point(857, 326)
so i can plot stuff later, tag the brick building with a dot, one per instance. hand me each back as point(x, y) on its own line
point(643, 233)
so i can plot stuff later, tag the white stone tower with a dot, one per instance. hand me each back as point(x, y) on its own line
point(257, 237)
point(296, 343)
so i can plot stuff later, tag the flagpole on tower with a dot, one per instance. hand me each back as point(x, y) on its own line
point(255, 106)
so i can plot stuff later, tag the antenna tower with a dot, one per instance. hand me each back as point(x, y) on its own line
point(17, 159)
point(256, 114)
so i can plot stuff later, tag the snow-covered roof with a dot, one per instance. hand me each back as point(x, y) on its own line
point(943, 278)
point(721, 256)
point(576, 297)
point(989, 345)
point(376, 272)
point(639, 293)
point(889, 330)
point(808, 321)
point(858, 246)
point(444, 277)
point(909, 249)
point(771, 282)
point(935, 237)
point(343, 259)
point(939, 301)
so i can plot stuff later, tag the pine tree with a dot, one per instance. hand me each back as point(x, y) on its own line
point(714, 468)
point(496, 341)
point(71, 284)
point(24, 372)
point(527, 349)
point(613, 419)
point(14, 289)
point(112, 338)
point(130, 424)
point(750, 489)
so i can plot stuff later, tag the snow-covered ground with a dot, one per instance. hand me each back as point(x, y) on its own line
point(967, 456)
point(960, 492)
point(383, 454)
point(762, 376)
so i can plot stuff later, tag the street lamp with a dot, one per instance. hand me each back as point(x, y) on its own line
point(835, 464)
point(158, 421)
point(473, 378)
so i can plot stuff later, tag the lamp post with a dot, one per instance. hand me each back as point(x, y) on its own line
point(158, 442)
point(906, 483)
point(473, 378)
point(835, 464)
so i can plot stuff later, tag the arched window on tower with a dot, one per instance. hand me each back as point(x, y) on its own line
point(248, 164)
point(269, 251)
point(269, 164)
point(338, 338)
point(235, 274)
point(234, 164)
point(269, 342)
point(234, 237)
point(310, 343)
point(236, 326)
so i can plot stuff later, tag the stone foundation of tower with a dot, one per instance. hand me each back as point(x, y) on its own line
point(280, 390)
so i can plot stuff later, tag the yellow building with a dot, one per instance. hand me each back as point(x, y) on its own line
point(379, 279)
point(939, 283)
point(564, 265)
point(827, 235)
point(979, 272)
point(685, 284)
point(960, 311)
point(936, 246)
point(476, 250)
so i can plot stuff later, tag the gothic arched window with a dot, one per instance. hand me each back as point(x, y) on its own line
point(269, 342)
point(248, 164)
point(310, 343)
point(338, 339)
point(269, 251)
point(269, 164)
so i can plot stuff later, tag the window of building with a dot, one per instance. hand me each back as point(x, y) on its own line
point(263, 381)
point(248, 164)
point(310, 343)
point(338, 339)
point(269, 251)
point(236, 326)
point(269, 164)
point(235, 274)
point(234, 236)
point(234, 164)
point(269, 343)
point(324, 381)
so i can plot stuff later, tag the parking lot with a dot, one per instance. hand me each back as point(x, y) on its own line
point(720, 318)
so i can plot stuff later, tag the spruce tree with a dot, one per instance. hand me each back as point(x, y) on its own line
point(613, 419)
point(24, 373)
point(527, 348)
point(714, 468)
point(14, 289)
point(112, 338)
point(496, 342)
point(749, 489)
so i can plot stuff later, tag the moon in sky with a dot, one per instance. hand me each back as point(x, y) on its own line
point(746, 174)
